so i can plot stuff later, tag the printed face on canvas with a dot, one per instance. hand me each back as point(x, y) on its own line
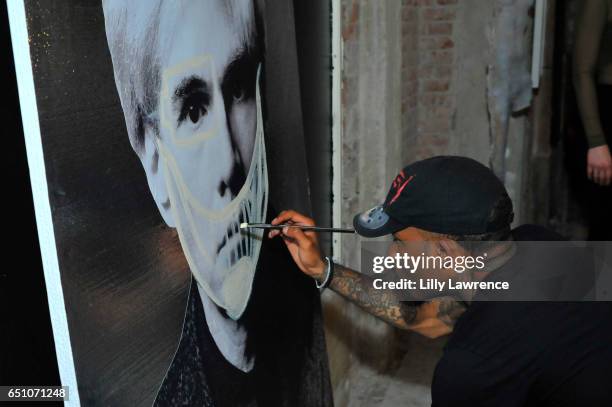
point(188, 83)
point(209, 144)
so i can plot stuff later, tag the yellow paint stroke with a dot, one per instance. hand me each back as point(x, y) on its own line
point(165, 118)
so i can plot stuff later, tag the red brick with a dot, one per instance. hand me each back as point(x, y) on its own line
point(409, 13)
point(436, 43)
point(436, 85)
point(410, 87)
point(438, 28)
point(439, 14)
point(441, 113)
point(446, 43)
point(433, 125)
point(430, 100)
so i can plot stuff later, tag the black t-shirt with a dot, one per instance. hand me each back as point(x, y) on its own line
point(528, 353)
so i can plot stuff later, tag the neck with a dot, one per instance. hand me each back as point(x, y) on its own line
point(499, 255)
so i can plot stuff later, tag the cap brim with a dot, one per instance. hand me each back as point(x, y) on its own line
point(375, 222)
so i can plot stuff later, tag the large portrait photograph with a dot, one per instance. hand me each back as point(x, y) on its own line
point(162, 129)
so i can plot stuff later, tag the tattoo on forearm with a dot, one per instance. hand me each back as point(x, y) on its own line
point(357, 288)
point(449, 310)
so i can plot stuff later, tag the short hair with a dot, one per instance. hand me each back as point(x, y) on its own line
point(132, 32)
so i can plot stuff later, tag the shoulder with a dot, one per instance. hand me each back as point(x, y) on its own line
point(186, 382)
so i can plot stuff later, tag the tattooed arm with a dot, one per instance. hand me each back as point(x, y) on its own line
point(357, 288)
point(432, 319)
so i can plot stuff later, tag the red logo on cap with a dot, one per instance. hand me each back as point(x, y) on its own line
point(399, 183)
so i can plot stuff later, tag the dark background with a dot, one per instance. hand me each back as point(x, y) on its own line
point(27, 353)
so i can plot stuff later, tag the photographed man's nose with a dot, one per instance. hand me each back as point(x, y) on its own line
point(230, 185)
point(233, 175)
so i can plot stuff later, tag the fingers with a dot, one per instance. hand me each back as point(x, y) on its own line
point(297, 235)
point(292, 216)
point(289, 216)
point(600, 175)
point(596, 175)
point(604, 177)
point(599, 165)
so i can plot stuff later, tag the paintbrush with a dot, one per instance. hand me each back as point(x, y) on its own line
point(303, 227)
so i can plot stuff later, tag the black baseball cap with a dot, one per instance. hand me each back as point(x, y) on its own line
point(444, 194)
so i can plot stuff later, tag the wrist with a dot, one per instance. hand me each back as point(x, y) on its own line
point(319, 271)
point(598, 144)
point(328, 275)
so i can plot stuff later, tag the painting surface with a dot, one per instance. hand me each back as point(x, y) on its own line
point(159, 120)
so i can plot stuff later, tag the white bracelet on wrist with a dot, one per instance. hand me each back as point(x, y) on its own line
point(328, 274)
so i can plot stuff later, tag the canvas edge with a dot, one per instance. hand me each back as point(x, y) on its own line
point(42, 207)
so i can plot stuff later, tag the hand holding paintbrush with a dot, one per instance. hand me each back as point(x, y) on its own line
point(285, 220)
point(294, 225)
point(298, 234)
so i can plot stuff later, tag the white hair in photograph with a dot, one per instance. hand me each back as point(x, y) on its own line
point(132, 32)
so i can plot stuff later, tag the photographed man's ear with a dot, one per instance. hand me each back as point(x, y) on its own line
point(156, 176)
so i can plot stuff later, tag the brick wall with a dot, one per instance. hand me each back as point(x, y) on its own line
point(416, 82)
point(428, 58)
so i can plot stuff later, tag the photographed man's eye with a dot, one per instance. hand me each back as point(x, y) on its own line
point(238, 91)
point(195, 112)
point(239, 81)
point(194, 107)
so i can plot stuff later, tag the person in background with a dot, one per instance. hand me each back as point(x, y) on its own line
point(593, 84)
